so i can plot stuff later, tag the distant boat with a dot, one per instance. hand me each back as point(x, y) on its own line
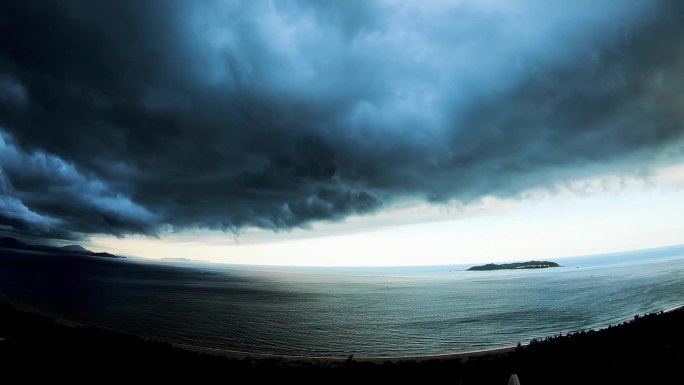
point(513, 380)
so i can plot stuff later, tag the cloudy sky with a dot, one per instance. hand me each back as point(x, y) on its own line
point(343, 132)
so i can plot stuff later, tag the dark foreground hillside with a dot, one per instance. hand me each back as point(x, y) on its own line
point(35, 349)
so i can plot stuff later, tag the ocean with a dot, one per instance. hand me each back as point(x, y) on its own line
point(335, 312)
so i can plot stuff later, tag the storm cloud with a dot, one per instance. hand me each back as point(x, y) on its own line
point(129, 117)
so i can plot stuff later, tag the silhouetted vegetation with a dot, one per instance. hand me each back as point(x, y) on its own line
point(33, 349)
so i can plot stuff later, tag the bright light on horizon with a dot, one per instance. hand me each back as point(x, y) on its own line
point(588, 217)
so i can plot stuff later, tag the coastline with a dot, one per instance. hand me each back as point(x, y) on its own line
point(446, 356)
point(38, 349)
point(62, 320)
point(236, 354)
point(228, 353)
point(239, 354)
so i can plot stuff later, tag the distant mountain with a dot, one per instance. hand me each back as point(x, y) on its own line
point(104, 255)
point(181, 260)
point(12, 243)
point(75, 249)
point(515, 266)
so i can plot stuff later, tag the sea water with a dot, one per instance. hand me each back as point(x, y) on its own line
point(335, 312)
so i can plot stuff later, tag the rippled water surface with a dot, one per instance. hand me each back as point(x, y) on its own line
point(337, 312)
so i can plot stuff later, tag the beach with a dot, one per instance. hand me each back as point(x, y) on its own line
point(37, 348)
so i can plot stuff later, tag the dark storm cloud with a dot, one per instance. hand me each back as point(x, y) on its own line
point(34, 183)
point(124, 117)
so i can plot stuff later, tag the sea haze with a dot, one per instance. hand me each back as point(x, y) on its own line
point(368, 312)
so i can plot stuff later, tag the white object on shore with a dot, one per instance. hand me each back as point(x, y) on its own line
point(513, 380)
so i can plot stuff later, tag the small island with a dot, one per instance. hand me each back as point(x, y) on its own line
point(515, 266)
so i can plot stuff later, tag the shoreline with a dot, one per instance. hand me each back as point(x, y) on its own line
point(36, 349)
point(239, 354)
point(505, 349)
point(379, 359)
point(63, 320)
